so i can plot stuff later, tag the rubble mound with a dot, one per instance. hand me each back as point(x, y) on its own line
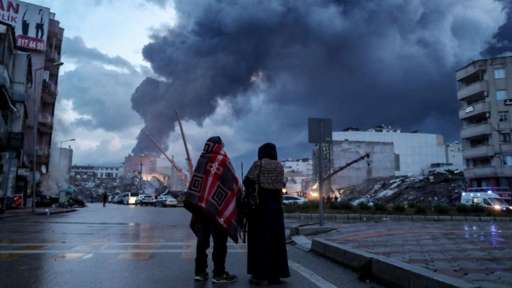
point(437, 188)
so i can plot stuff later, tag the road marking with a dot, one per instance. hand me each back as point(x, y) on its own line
point(106, 251)
point(310, 275)
point(87, 256)
point(191, 242)
point(69, 256)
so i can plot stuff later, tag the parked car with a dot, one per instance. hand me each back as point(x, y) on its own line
point(118, 199)
point(130, 198)
point(293, 200)
point(145, 199)
point(166, 201)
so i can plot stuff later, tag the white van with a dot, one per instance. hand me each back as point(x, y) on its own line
point(485, 199)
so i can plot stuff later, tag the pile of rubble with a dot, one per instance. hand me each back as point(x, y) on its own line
point(437, 188)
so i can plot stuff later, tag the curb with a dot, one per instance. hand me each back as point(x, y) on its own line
point(384, 217)
point(388, 271)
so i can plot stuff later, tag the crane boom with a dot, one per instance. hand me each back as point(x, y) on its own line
point(339, 169)
point(173, 163)
point(189, 159)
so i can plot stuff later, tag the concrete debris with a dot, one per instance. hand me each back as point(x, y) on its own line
point(443, 188)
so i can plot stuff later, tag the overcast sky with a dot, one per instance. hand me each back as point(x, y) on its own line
point(253, 71)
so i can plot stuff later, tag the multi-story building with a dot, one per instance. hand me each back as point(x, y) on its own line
point(414, 152)
point(46, 65)
point(15, 82)
point(484, 90)
point(96, 172)
point(30, 63)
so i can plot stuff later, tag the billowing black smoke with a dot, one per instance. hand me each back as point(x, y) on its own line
point(361, 63)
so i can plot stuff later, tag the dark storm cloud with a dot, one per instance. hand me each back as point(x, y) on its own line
point(361, 63)
point(101, 94)
point(75, 48)
point(99, 87)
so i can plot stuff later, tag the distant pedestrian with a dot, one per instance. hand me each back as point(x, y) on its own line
point(105, 199)
point(267, 259)
point(212, 199)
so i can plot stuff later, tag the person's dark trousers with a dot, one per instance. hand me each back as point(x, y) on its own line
point(220, 249)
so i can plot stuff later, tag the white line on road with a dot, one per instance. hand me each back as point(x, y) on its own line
point(310, 275)
point(106, 251)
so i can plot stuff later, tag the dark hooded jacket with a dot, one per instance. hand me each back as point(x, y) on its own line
point(267, 257)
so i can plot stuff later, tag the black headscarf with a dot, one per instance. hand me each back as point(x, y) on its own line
point(213, 144)
point(267, 151)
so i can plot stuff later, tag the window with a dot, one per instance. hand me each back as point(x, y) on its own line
point(499, 73)
point(503, 116)
point(508, 161)
point(505, 137)
point(501, 95)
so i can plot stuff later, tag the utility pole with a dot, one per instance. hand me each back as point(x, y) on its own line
point(320, 133)
point(320, 183)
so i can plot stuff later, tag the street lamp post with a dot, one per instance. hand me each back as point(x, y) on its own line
point(35, 115)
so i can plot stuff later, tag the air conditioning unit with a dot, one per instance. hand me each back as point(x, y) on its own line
point(508, 102)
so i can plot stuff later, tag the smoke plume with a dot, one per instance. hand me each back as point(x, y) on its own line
point(361, 63)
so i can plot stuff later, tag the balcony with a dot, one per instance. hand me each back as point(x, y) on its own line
point(480, 172)
point(475, 67)
point(474, 90)
point(476, 130)
point(52, 56)
point(45, 118)
point(478, 152)
point(49, 92)
point(474, 109)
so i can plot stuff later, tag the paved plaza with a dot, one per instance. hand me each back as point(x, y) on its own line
point(479, 253)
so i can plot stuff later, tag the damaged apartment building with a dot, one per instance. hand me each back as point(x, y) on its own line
point(392, 153)
point(29, 72)
point(485, 97)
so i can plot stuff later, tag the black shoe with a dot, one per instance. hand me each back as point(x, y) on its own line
point(275, 282)
point(257, 282)
point(201, 277)
point(224, 278)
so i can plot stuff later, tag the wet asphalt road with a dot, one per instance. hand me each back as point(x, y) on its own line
point(122, 246)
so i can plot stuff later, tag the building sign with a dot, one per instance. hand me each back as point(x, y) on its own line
point(30, 23)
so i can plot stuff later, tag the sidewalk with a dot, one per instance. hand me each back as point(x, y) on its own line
point(477, 252)
point(38, 211)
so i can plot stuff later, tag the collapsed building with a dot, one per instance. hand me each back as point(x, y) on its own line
point(298, 174)
point(150, 166)
point(392, 153)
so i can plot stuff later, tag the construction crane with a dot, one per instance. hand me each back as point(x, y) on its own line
point(179, 171)
point(347, 165)
point(188, 159)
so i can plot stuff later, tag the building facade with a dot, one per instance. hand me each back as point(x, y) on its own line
point(15, 83)
point(96, 172)
point(382, 162)
point(298, 176)
point(484, 91)
point(414, 152)
point(41, 107)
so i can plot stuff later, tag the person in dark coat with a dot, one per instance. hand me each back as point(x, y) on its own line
point(105, 198)
point(267, 259)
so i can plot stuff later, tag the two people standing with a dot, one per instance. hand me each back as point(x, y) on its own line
point(214, 198)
